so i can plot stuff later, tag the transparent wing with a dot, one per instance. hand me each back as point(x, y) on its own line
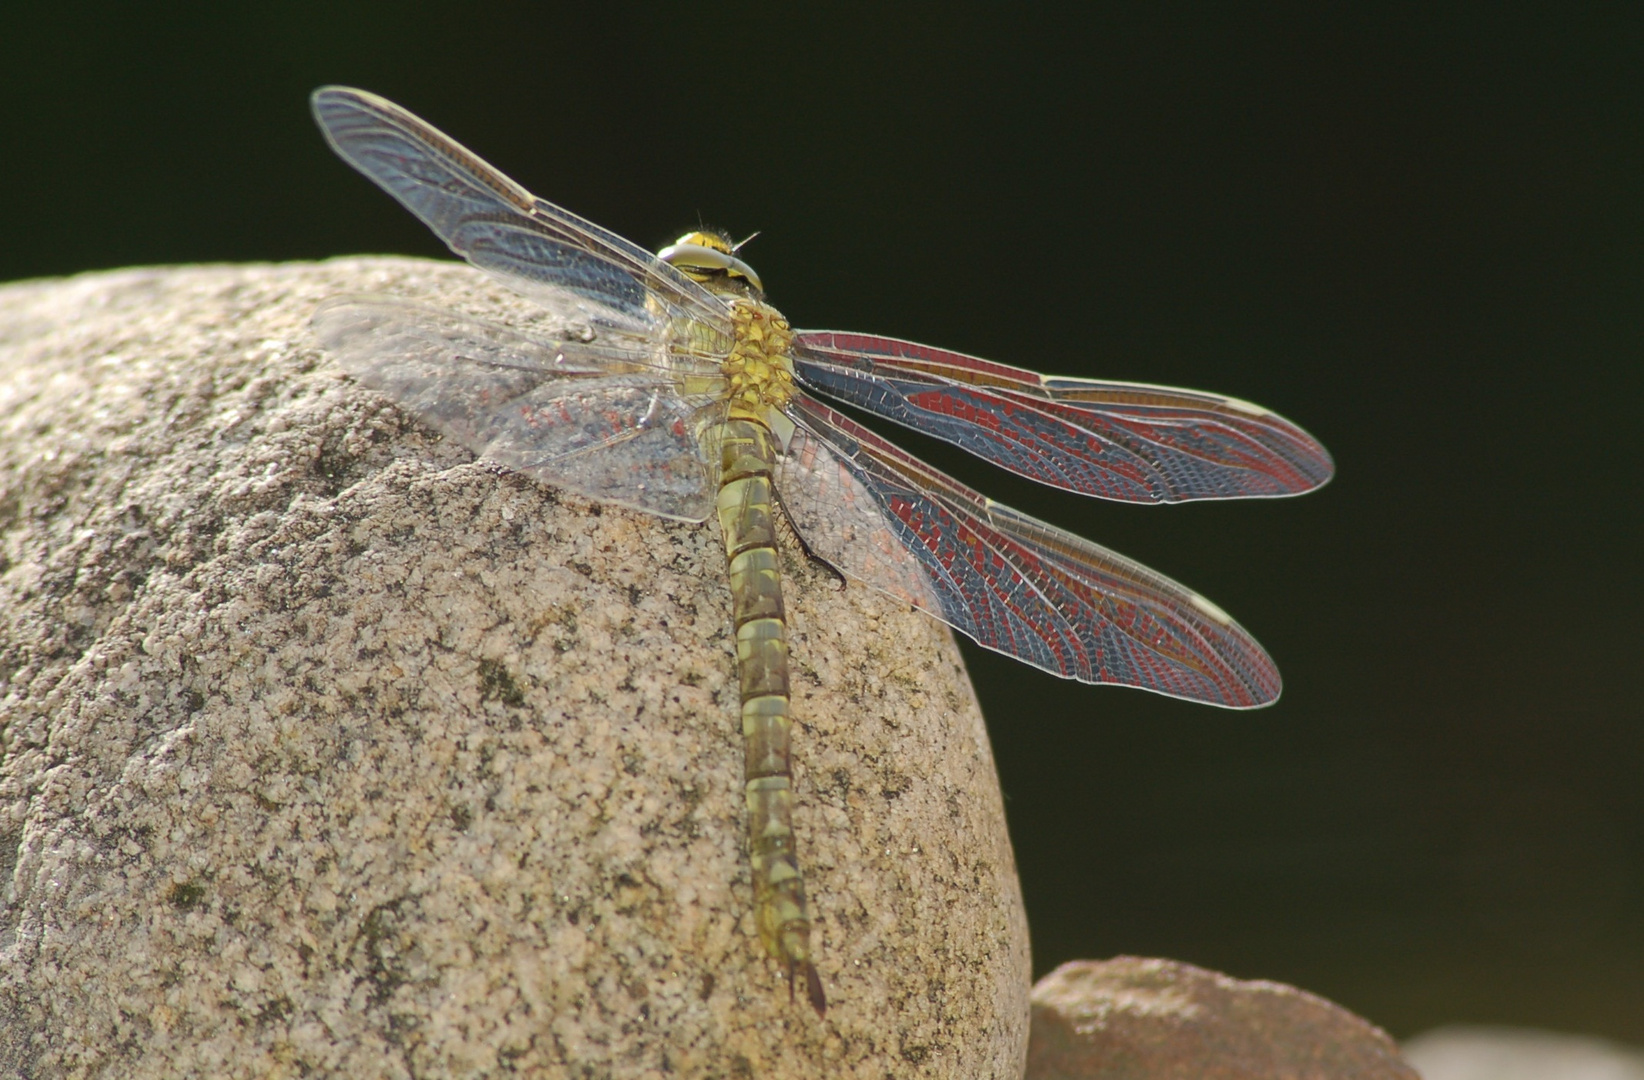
point(1113, 440)
point(547, 254)
point(599, 418)
point(1010, 582)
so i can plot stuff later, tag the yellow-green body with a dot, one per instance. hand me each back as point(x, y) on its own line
point(747, 442)
point(747, 516)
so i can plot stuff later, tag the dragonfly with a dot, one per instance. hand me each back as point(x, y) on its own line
point(666, 383)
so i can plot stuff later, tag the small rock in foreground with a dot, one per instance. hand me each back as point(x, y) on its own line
point(1132, 1018)
point(1504, 1053)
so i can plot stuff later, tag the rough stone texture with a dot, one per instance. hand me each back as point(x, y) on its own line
point(329, 751)
point(1131, 1018)
point(1504, 1053)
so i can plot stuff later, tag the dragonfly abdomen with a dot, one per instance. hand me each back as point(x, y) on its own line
point(746, 515)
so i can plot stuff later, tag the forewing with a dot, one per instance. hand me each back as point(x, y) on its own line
point(1113, 440)
point(546, 253)
point(592, 417)
point(1012, 583)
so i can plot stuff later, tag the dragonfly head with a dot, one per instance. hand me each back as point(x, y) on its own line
point(710, 258)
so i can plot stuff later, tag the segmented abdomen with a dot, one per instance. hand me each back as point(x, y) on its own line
point(747, 517)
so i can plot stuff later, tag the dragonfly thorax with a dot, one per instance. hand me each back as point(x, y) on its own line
point(757, 368)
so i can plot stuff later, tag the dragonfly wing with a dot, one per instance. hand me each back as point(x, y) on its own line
point(613, 441)
point(596, 418)
point(1113, 440)
point(544, 252)
point(1012, 583)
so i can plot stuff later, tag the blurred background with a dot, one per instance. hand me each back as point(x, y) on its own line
point(1418, 231)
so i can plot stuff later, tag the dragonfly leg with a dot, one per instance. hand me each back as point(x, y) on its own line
point(810, 554)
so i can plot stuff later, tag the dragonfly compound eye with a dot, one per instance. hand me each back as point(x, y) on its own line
point(705, 257)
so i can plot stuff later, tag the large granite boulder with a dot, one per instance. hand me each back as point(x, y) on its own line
point(330, 751)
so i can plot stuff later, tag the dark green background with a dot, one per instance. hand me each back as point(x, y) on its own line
point(1418, 232)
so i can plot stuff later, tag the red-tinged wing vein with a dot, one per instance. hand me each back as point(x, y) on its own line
point(1113, 440)
point(1010, 582)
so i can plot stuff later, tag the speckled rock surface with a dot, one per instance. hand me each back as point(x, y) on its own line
point(330, 751)
point(1132, 1018)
